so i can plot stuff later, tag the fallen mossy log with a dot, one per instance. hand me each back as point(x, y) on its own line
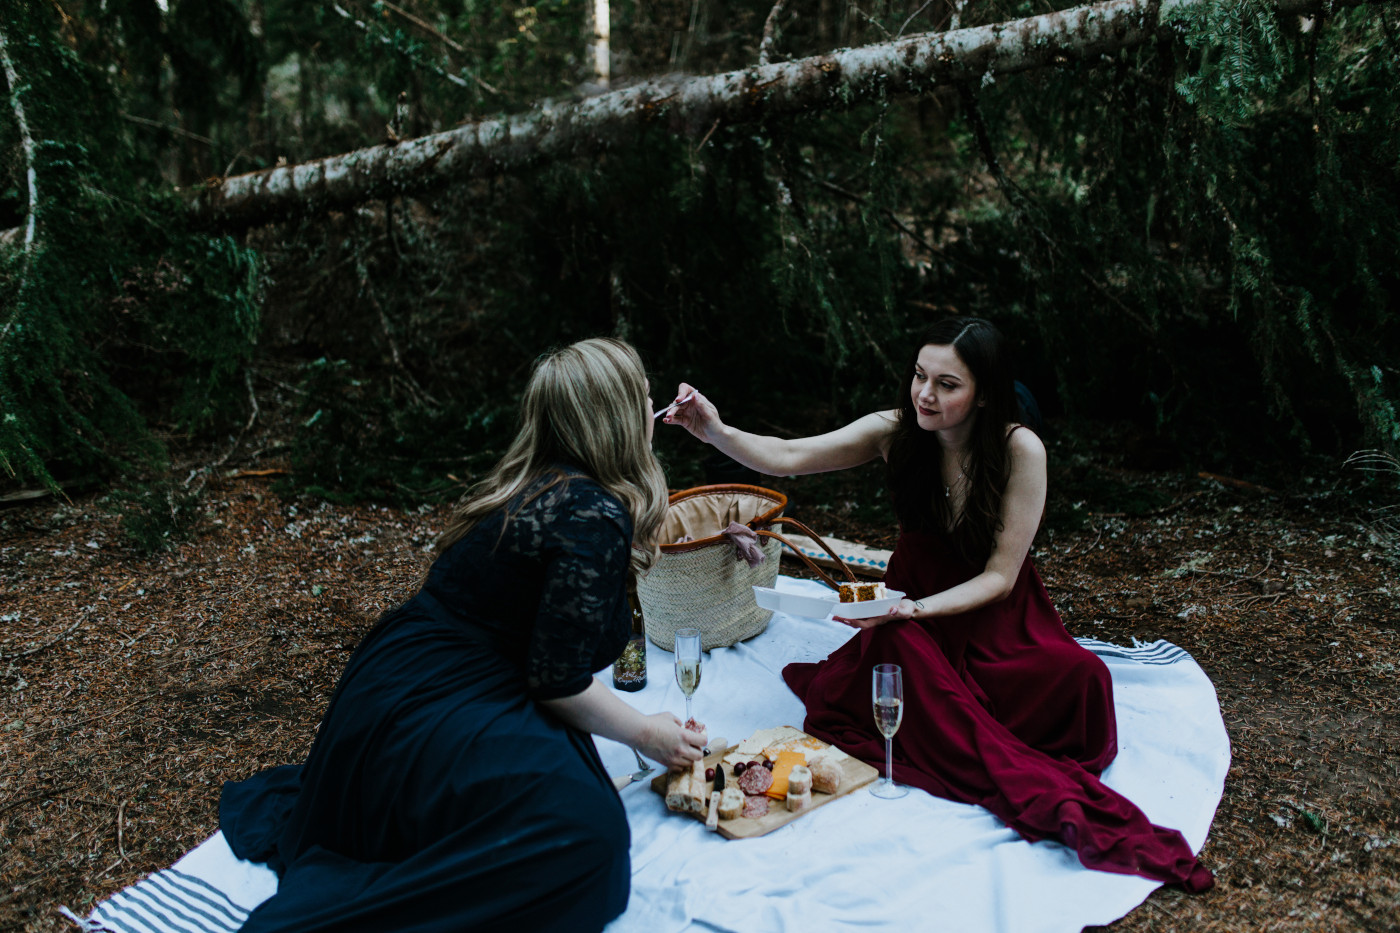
point(694, 106)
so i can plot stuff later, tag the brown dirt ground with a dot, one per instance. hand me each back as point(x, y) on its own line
point(131, 687)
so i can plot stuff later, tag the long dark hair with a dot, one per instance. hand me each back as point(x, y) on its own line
point(915, 465)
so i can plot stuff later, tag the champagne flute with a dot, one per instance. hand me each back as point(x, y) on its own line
point(887, 694)
point(688, 664)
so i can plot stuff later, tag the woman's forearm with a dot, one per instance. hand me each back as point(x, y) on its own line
point(599, 711)
point(660, 736)
point(768, 455)
point(987, 587)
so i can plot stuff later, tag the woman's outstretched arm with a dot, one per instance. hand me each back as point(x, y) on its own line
point(859, 442)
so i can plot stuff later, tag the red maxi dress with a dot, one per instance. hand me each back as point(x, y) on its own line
point(1002, 708)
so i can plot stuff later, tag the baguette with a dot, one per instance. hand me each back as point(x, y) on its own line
point(696, 796)
point(678, 792)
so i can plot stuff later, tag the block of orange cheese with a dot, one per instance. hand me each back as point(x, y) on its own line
point(782, 767)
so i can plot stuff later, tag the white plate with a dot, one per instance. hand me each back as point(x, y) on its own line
point(868, 608)
point(795, 604)
point(822, 607)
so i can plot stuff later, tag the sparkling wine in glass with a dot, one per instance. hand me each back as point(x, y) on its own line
point(887, 694)
point(688, 664)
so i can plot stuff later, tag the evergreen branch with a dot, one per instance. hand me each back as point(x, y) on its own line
point(1027, 210)
point(1388, 29)
point(31, 225)
point(890, 215)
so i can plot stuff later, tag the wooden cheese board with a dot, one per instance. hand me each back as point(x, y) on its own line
point(855, 774)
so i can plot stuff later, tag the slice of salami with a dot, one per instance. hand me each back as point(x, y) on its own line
point(755, 780)
point(755, 805)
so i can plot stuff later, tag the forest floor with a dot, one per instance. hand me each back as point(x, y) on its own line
point(132, 687)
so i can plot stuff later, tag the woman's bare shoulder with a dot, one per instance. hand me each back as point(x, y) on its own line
point(1024, 444)
point(881, 425)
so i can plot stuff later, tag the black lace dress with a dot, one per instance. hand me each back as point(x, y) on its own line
point(438, 795)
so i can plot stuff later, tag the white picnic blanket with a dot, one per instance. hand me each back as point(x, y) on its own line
point(916, 863)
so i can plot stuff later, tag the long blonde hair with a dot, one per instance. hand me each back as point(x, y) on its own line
point(585, 405)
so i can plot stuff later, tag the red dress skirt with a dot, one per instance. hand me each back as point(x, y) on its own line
point(1002, 708)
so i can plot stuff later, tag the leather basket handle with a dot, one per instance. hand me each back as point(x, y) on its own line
point(811, 565)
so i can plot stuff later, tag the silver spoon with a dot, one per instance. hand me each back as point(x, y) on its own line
point(673, 406)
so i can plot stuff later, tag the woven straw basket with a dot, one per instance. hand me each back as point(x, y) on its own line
point(700, 582)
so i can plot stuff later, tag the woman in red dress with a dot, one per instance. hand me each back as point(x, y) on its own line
point(1002, 707)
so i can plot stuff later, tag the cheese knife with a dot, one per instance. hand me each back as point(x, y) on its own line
point(623, 780)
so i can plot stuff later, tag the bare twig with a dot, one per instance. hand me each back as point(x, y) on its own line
point(1374, 461)
point(52, 641)
point(1012, 191)
point(82, 722)
point(385, 40)
point(108, 869)
point(701, 145)
point(121, 812)
point(211, 654)
point(1267, 564)
point(1092, 546)
point(1236, 483)
point(1272, 598)
point(206, 471)
point(911, 18)
point(422, 25)
point(247, 425)
point(42, 795)
point(177, 130)
point(412, 383)
point(889, 214)
point(765, 48)
point(871, 20)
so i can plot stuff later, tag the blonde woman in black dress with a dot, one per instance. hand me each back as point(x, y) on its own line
point(454, 784)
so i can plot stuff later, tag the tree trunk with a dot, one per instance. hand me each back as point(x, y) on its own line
point(693, 106)
point(27, 234)
point(12, 84)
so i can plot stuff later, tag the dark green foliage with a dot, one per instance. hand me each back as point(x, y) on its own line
point(117, 312)
point(1203, 236)
point(357, 441)
point(1199, 236)
point(1130, 240)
